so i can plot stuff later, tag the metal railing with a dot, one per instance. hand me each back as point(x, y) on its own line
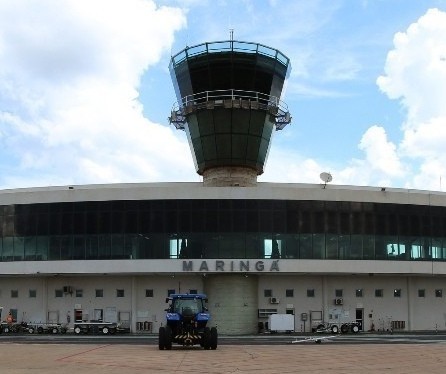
point(230, 98)
point(229, 46)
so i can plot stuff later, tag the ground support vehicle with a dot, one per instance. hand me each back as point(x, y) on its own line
point(32, 327)
point(336, 328)
point(186, 323)
point(46, 328)
point(95, 327)
point(14, 327)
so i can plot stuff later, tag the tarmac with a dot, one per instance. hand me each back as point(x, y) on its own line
point(68, 358)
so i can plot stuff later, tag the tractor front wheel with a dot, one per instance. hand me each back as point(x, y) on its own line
point(168, 338)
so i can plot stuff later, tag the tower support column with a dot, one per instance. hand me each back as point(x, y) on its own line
point(233, 302)
point(230, 176)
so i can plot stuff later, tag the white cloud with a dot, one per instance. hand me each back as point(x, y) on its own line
point(380, 154)
point(426, 140)
point(415, 73)
point(69, 77)
point(415, 70)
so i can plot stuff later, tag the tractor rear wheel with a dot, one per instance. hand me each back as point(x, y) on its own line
point(206, 338)
point(161, 338)
point(214, 338)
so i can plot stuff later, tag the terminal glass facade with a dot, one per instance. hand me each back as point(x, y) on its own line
point(168, 229)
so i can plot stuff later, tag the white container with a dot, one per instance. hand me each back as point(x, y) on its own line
point(281, 322)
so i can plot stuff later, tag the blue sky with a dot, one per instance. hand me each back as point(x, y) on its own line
point(85, 90)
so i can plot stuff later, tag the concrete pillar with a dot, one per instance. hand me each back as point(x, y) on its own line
point(45, 299)
point(133, 305)
point(233, 303)
point(230, 176)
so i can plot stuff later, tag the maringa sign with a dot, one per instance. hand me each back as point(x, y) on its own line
point(229, 266)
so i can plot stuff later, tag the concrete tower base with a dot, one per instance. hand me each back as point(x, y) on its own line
point(233, 303)
point(230, 176)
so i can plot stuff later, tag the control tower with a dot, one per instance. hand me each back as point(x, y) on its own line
point(229, 103)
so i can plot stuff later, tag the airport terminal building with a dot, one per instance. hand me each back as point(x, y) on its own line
point(318, 251)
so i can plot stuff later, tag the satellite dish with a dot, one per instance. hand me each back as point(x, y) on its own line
point(326, 178)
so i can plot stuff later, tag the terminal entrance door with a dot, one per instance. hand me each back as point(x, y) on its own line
point(360, 318)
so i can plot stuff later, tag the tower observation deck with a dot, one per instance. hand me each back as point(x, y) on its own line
point(229, 103)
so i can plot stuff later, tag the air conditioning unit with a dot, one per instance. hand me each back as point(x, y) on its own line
point(274, 300)
point(67, 289)
point(339, 301)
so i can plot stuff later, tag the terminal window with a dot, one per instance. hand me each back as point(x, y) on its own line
point(149, 293)
point(14, 293)
point(99, 293)
point(58, 293)
point(289, 293)
point(359, 292)
point(379, 292)
point(268, 293)
point(79, 292)
point(310, 292)
point(421, 293)
point(397, 292)
point(438, 293)
point(338, 293)
point(32, 293)
point(178, 248)
point(272, 248)
point(119, 293)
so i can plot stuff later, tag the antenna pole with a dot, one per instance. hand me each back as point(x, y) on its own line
point(231, 34)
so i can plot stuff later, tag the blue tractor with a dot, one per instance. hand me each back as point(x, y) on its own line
point(187, 318)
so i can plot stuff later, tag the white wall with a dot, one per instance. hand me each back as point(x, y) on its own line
point(420, 313)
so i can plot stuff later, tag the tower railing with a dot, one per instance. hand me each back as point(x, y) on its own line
point(229, 46)
point(230, 98)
